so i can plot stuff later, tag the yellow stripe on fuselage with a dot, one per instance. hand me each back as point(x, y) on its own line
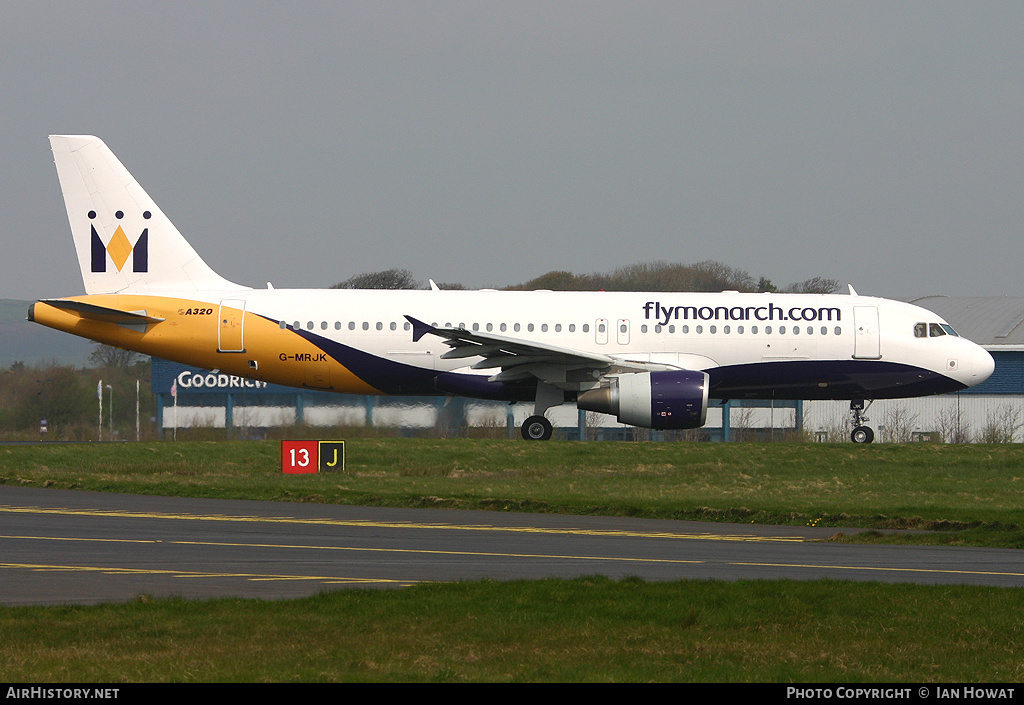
point(190, 335)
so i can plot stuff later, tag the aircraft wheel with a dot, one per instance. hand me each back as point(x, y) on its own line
point(862, 434)
point(537, 428)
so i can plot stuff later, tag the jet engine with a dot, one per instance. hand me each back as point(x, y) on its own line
point(660, 400)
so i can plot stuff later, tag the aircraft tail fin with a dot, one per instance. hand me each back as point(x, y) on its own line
point(125, 243)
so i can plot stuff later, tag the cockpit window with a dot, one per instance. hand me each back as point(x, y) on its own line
point(933, 330)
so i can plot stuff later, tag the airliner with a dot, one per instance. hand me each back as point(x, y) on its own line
point(652, 360)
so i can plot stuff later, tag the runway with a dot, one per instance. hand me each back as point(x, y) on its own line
point(60, 546)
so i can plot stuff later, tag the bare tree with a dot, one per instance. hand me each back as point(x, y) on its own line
point(386, 279)
point(951, 424)
point(742, 423)
point(898, 424)
point(109, 356)
point(814, 285)
point(1001, 425)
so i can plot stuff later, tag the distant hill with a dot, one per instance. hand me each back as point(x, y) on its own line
point(34, 344)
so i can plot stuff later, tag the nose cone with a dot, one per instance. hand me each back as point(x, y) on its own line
point(982, 366)
point(968, 363)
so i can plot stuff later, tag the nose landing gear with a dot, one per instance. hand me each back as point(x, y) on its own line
point(861, 433)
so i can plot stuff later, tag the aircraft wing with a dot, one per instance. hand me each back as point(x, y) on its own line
point(522, 359)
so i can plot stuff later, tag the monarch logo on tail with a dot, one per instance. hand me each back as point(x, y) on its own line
point(119, 248)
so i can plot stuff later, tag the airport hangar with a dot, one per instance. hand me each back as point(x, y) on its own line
point(992, 411)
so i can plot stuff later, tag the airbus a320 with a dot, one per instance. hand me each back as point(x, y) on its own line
point(653, 360)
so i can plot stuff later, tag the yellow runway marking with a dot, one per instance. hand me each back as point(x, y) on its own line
point(489, 554)
point(944, 571)
point(106, 570)
point(355, 549)
point(72, 538)
point(400, 525)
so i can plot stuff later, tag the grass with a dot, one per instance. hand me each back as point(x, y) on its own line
point(964, 493)
point(583, 630)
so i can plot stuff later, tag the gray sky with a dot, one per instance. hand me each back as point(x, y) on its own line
point(881, 144)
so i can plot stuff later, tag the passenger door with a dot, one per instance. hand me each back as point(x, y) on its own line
point(230, 333)
point(866, 341)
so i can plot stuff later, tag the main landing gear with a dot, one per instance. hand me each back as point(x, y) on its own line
point(861, 433)
point(537, 427)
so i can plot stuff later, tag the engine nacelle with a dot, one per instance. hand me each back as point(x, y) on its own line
point(659, 400)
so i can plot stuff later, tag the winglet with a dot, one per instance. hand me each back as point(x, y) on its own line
point(419, 328)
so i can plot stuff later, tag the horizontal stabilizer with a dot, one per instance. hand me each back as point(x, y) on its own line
point(101, 313)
